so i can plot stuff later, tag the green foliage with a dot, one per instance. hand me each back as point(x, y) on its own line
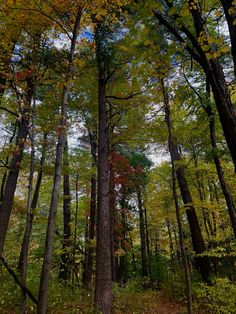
point(219, 298)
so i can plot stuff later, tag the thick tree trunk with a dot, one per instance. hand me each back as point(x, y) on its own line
point(212, 68)
point(215, 74)
point(11, 181)
point(103, 285)
point(196, 235)
point(230, 11)
point(143, 240)
point(65, 265)
point(45, 272)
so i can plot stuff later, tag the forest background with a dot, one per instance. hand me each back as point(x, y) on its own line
point(92, 95)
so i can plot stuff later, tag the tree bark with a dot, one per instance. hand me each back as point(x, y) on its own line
point(6, 163)
point(65, 265)
point(44, 279)
point(103, 285)
point(29, 223)
point(215, 74)
point(11, 181)
point(24, 252)
point(196, 235)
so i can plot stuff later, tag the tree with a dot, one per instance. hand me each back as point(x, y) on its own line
point(103, 288)
point(199, 47)
point(44, 280)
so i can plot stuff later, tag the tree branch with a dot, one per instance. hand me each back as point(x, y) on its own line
point(9, 111)
point(174, 32)
point(17, 279)
point(126, 97)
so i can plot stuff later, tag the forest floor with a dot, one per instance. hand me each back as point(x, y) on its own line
point(143, 302)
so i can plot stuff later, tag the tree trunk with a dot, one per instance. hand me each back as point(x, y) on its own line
point(142, 234)
point(24, 252)
point(175, 196)
point(74, 268)
point(230, 11)
point(212, 68)
point(65, 265)
point(11, 181)
point(27, 234)
point(112, 201)
point(44, 279)
point(87, 277)
point(197, 239)
point(224, 186)
point(215, 74)
point(171, 246)
point(6, 163)
point(103, 285)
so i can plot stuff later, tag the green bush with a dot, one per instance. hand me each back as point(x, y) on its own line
point(220, 298)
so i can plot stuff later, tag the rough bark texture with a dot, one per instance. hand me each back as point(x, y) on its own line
point(45, 272)
point(103, 285)
point(65, 265)
point(196, 235)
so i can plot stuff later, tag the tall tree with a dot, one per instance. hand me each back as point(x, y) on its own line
point(65, 264)
point(103, 285)
point(200, 49)
point(11, 182)
point(197, 238)
point(44, 280)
